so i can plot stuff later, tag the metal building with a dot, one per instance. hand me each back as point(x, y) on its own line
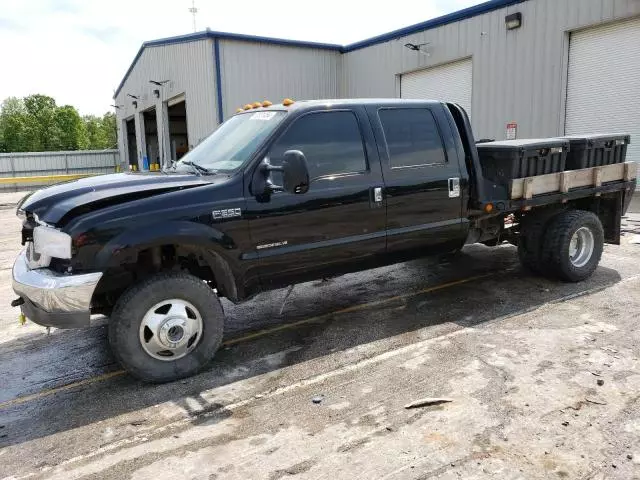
point(527, 68)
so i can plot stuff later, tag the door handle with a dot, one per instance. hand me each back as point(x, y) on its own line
point(454, 187)
point(377, 194)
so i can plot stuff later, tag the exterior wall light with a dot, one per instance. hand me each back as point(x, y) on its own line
point(420, 47)
point(156, 93)
point(513, 21)
point(135, 104)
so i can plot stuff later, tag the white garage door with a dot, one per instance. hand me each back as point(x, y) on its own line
point(451, 82)
point(603, 91)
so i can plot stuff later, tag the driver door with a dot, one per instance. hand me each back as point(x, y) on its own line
point(339, 224)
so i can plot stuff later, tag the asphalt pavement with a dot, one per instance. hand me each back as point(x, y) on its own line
point(542, 379)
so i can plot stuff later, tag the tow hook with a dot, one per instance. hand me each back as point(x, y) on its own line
point(17, 302)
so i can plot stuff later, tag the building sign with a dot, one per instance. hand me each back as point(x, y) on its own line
point(512, 131)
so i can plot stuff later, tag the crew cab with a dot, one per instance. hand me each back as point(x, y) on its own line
point(287, 193)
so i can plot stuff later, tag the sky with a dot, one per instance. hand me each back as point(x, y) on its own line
point(77, 51)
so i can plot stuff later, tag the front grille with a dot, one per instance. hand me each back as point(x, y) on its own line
point(28, 225)
point(60, 265)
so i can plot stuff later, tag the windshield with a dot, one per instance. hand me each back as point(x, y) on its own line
point(233, 143)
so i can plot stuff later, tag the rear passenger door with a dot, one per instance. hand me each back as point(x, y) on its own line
point(338, 225)
point(421, 173)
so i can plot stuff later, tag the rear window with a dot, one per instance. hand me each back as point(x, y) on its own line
point(412, 137)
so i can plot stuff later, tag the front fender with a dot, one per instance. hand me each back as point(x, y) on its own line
point(214, 244)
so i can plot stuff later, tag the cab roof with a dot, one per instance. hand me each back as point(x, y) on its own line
point(342, 103)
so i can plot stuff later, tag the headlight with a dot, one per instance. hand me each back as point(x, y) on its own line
point(51, 242)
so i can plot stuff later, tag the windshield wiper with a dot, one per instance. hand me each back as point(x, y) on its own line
point(199, 169)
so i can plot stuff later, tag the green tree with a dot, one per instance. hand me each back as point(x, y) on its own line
point(92, 125)
point(35, 124)
point(41, 124)
point(70, 131)
point(109, 128)
point(14, 130)
point(101, 131)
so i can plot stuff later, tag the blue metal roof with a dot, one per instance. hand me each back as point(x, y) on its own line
point(190, 37)
point(418, 27)
point(433, 23)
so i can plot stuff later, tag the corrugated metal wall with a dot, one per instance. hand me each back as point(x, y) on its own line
point(259, 71)
point(603, 89)
point(33, 164)
point(189, 67)
point(249, 71)
point(518, 75)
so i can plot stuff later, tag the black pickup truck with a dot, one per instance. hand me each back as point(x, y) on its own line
point(286, 193)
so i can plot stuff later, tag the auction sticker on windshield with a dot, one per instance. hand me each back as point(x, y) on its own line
point(262, 116)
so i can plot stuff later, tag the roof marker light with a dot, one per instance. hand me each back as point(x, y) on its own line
point(287, 101)
point(247, 106)
point(266, 103)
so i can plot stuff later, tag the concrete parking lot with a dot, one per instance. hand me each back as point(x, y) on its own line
point(543, 378)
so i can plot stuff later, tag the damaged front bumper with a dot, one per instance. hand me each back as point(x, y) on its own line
point(53, 299)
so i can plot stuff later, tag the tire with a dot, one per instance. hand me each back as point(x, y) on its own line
point(192, 326)
point(573, 262)
point(530, 243)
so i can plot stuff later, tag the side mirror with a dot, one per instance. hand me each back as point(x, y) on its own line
point(295, 172)
point(295, 175)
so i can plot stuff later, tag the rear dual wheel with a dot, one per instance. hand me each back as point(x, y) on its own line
point(573, 245)
point(568, 246)
point(530, 243)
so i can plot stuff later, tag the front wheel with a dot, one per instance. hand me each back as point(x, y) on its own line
point(166, 327)
point(573, 245)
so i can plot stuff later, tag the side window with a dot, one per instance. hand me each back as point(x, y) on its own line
point(412, 137)
point(331, 142)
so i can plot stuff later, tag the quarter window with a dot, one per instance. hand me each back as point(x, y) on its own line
point(412, 137)
point(331, 142)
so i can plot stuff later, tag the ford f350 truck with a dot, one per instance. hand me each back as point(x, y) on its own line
point(287, 193)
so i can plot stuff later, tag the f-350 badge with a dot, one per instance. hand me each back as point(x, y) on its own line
point(226, 213)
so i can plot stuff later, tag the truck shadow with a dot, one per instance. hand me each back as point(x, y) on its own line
point(477, 286)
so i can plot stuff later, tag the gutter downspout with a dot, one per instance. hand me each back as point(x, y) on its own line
point(216, 59)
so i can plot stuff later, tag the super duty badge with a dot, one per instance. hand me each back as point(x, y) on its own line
point(226, 213)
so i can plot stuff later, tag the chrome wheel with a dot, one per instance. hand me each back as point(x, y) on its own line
point(171, 329)
point(581, 247)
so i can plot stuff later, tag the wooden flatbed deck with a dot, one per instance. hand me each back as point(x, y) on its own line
point(563, 182)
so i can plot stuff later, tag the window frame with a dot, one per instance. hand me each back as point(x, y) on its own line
point(438, 131)
point(329, 176)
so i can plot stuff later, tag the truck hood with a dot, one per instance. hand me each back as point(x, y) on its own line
point(53, 203)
